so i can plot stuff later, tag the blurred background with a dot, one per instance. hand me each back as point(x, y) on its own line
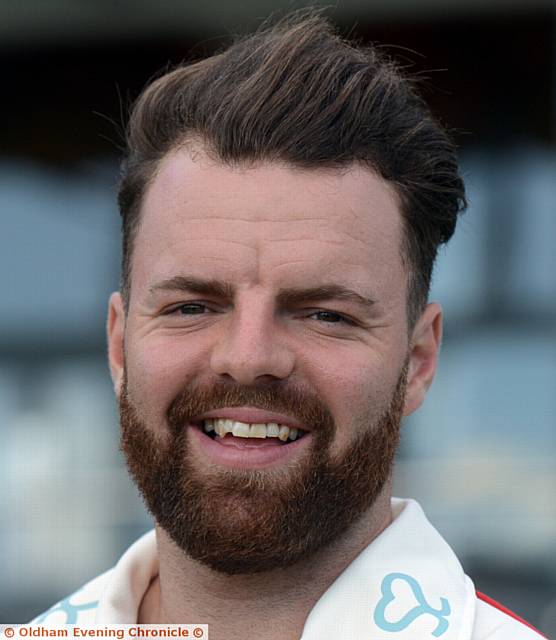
point(480, 454)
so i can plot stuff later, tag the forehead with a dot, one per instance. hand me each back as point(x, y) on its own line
point(266, 222)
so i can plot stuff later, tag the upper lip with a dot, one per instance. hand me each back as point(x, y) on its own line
point(251, 415)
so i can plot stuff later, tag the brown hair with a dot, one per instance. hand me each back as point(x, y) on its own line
point(297, 92)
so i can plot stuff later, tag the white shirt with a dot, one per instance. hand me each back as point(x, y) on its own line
point(406, 585)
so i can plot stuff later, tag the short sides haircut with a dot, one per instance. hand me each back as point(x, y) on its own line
point(298, 93)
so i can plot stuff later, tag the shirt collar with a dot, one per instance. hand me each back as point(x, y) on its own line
point(406, 584)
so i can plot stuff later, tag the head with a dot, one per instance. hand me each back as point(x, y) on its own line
point(299, 94)
point(282, 206)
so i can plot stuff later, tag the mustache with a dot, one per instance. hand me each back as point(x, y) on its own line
point(288, 399)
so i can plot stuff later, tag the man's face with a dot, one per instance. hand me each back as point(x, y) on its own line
point(268, 296)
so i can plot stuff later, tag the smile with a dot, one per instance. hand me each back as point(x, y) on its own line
point(243, 445)
point(222, 426)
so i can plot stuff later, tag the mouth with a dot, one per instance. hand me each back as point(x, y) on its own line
point(220, 428)
point(236, 444)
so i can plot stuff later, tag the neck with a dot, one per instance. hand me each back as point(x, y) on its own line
point(268, 605)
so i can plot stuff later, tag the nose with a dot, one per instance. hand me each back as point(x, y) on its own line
point(252, 348)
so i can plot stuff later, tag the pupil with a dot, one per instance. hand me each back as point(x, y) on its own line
point(188, 309)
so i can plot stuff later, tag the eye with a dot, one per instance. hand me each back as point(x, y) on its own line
point(331, 317)
point(192, 309)
point(188, 309)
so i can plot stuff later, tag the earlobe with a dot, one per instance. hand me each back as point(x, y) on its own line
point(115, 330)
point(423, 356)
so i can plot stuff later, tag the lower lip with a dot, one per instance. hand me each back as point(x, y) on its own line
point(256, 457)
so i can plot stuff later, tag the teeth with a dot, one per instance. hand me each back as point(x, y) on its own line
point(222, 426)
point(240, 430)
point(257, 431)
point(284, 433)
point(272, 430)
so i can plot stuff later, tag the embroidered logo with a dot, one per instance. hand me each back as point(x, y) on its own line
point(423, 608)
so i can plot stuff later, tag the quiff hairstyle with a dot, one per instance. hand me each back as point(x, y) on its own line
point(298, 93)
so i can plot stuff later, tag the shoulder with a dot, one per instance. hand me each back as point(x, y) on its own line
point(114, 596)
point(79, 607)
point(493, 621)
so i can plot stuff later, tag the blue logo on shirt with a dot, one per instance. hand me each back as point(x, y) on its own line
point(71, 610)
point(423, 608)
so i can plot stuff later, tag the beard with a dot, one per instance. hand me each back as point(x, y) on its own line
point(244, 521)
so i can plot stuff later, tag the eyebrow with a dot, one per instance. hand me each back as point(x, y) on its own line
point(286, 297)
point(291, 297)
point(189, 284)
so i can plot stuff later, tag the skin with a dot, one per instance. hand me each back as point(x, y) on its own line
point(264, 228)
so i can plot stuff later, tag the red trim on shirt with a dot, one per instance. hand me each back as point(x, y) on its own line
point(507, 611)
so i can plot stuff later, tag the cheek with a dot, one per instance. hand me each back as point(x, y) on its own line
point(157, 372)
point(357, 390)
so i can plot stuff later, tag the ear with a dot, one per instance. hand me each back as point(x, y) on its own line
point(115, 328)
point(423, 356)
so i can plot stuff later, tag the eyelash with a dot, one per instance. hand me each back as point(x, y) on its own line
point(188, 304)
point(342, 318)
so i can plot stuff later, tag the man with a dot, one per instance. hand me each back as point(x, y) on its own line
point(282, 206)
